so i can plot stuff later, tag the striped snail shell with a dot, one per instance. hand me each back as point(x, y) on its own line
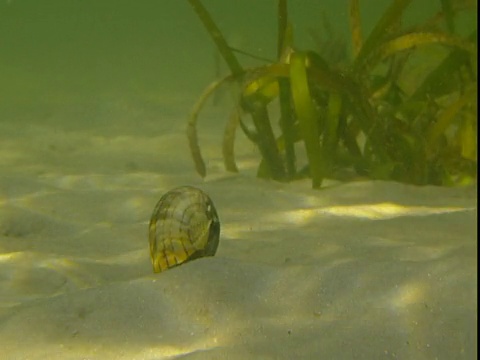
point(184, 226)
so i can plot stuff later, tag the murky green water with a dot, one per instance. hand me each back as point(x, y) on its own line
point(94, 98)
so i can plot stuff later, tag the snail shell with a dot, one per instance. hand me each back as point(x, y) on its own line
point(184, 226)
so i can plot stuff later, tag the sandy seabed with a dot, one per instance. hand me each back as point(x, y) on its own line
point(359, 270)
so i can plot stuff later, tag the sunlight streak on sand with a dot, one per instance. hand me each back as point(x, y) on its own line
point(380, 211)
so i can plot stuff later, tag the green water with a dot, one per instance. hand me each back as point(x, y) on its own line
point(377, 269)
point(56, 53)
point(59, 54)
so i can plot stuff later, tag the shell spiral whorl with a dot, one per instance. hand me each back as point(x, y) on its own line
point(184, 226)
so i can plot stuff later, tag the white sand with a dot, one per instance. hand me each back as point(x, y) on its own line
point(365, 270)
